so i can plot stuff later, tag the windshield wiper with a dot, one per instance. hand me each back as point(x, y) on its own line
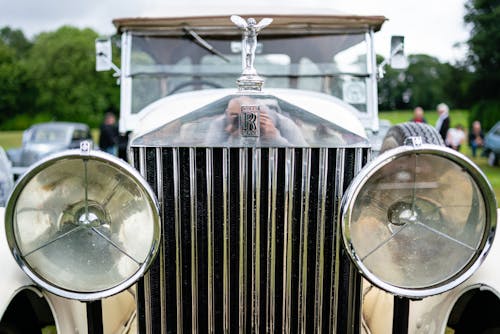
point(204, 44)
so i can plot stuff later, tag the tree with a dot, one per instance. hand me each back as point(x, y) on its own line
point(426, 82)
point(16, 91)
point(15, 39)
point(484, 57)
point(69, 89)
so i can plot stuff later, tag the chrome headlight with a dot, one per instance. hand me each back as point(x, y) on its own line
point(83, 225)
point(418, 221)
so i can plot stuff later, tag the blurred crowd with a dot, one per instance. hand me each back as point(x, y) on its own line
point(454, 137)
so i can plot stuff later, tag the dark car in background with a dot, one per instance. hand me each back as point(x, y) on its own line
point(492, 145)
point(43, 139)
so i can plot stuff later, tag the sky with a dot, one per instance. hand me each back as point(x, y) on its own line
point(429, 26)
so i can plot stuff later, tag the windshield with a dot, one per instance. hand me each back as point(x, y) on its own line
point(48, 135)
point(335, 64)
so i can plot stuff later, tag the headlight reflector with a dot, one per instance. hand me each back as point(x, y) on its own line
point(83, 226)
point(418, 221)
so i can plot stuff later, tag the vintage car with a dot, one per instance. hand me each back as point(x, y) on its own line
point(6, 177)
point(492, 145)
point(41, 140)
point(252, 205)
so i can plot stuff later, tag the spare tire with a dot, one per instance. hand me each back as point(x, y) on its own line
point(398, 134)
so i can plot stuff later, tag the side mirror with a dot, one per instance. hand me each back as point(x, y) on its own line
point(103, 54)
point(398, 58)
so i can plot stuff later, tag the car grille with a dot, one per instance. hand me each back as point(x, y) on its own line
point(250, 241)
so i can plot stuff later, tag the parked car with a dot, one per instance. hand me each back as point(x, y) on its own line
point(255, 206)
point(6, 177)
point(43, 139)
point(492, 145)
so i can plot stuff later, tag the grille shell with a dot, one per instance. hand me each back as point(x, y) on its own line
point(250, 240)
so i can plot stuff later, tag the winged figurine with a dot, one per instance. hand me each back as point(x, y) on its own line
point(250, 28)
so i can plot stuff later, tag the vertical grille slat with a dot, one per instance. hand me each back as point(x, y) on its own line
point(287, 237)
point(271, 241)
point(335, 274)
point(210, 241)
point(250, 241)
point(178, 242)
point(169, 219)
point(320, 239)
point(159, 193)
point(147, 279)
point(194, 240)
point(304, 229)
point(242, 241)
point(227, 241)
point(255, 245)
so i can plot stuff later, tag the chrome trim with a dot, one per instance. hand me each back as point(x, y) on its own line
point(159, 191)
point(339, 185)
point(287, 247)
point(227, 242)
point(271, 241)
point(304, 230)
point(256, 185)
point(75, 154)
point(178, 240)
point(242, 272)
point(481, 181)
point(320, 239)
point(210, 240)
point(147, 278)
point(194, 240)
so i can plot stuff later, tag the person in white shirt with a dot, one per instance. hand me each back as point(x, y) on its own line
point(455, 137)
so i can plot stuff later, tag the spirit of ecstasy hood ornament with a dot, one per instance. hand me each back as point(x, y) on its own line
point(249, 79)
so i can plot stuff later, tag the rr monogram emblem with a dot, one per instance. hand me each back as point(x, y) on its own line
point(250, 121)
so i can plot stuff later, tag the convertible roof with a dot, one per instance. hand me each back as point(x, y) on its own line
point(283, 18)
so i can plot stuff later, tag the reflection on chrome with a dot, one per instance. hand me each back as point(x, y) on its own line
point(277, 123)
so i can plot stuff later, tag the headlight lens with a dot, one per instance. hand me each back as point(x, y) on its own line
point(418, 221)
point(83, 226)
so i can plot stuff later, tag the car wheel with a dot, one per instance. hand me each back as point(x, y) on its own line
point(492, 159)
point(398, 134)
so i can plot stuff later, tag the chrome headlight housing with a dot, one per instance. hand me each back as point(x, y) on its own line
point(418, 221)
point(83, 225)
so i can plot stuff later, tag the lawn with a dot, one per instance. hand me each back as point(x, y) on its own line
point(400, 116)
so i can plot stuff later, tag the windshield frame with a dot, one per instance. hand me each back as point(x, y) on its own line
point(369, 118)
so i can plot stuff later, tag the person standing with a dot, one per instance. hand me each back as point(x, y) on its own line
point(108, 138)
point(476, 137)
point(443, 122)
point(418, 115)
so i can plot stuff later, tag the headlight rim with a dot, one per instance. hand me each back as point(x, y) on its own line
point(384, 159)
point(102, 157)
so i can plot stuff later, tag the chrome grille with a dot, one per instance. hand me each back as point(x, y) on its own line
point(250, 241)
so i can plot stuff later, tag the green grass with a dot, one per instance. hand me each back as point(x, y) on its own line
point(401, 116)
point(10, 139)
